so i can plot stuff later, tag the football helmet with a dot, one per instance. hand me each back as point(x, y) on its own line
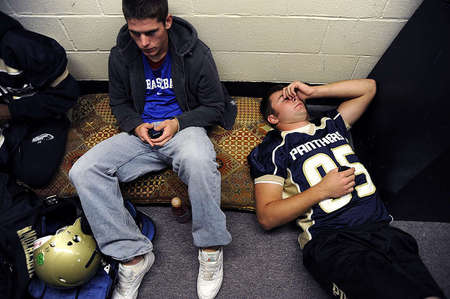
point(68, 258)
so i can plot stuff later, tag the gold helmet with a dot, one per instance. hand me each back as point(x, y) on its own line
point(67, 259)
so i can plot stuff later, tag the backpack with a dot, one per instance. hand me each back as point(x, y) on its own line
point(21, 211)
point(102, 284)
point(24, 217)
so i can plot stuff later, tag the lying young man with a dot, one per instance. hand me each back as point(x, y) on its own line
point(307, 170)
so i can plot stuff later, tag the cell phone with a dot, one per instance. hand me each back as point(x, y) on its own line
point(152, 133)
point(343, 168)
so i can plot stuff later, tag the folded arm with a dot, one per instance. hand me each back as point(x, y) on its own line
point(273, 211)
point(359, 93)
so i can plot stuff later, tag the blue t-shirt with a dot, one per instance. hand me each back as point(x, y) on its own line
point(160, 100)
point(299, 159)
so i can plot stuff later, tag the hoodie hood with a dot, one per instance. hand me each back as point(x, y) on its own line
point(182, 38)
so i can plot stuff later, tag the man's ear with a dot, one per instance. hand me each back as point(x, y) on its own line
point(273, 119)
point(169, 21)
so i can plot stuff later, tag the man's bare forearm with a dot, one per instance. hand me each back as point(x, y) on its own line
point(344, 89)
point(278, 212)
point(359, 93)
point(273, 211)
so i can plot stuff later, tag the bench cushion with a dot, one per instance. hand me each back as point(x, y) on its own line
point(93, 122)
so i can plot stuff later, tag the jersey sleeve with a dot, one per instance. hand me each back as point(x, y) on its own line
point(266, 160)
point(342, 126)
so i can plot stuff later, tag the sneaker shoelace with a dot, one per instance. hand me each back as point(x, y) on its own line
point(125, 281)
point(208, 269)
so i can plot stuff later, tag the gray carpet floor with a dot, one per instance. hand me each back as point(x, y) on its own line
point(260, 264)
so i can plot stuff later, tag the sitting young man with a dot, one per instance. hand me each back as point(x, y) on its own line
point(300, 172)
point(163, 79)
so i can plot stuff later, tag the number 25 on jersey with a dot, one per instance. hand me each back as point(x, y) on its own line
point(313, 176)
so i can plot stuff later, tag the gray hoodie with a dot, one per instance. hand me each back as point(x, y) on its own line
point(196, 83)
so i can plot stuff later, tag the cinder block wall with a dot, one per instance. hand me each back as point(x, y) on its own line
point(252, 40)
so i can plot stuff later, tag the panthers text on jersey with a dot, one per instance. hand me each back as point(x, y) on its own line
point(300, 158)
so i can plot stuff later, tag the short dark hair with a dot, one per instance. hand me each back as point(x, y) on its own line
point(265, 107)
point(145, 9)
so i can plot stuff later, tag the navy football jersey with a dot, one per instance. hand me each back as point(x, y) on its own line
point(300, 158)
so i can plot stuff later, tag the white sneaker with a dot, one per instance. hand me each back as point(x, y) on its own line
point(210, 273)
point(130, 277)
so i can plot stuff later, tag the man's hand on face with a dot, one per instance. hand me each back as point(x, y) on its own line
point(299, 89)
point(170, 127)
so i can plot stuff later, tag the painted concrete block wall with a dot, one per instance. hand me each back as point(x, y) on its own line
point(252, 40)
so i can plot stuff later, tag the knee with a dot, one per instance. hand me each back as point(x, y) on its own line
point(198, 161)
point(76, 171)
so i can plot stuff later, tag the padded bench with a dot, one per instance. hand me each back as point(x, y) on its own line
point(93, 122)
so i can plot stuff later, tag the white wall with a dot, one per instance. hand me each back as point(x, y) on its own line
point(255, 40)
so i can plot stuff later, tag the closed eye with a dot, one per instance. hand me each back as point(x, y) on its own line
point(146, 33)
point(150, 33)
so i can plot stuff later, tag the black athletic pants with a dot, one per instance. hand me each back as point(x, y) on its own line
point(375, 261)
